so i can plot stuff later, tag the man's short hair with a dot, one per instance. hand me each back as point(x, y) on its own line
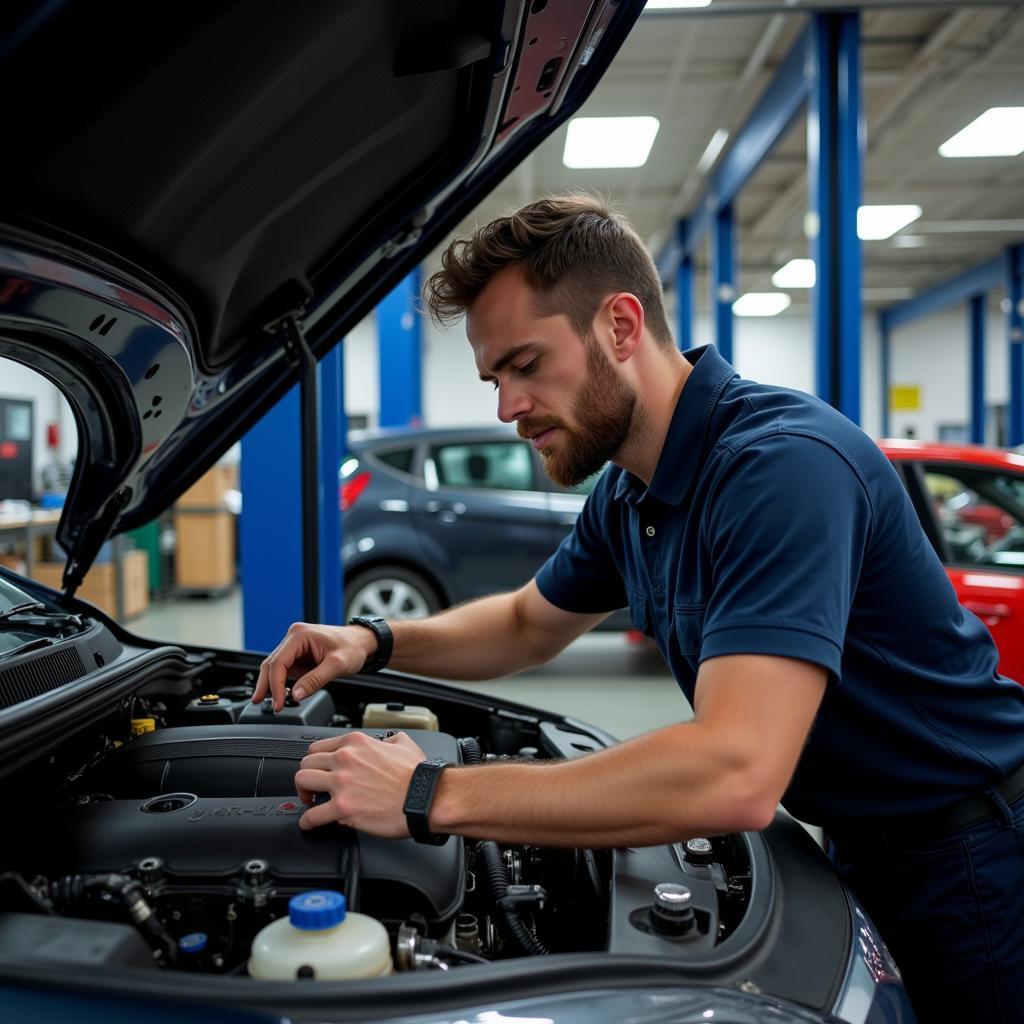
point(572, 250)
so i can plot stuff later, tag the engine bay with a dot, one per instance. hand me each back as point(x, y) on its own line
point(167, 837)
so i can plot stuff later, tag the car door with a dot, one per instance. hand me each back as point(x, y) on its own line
point(482, 514)
point(979, 514)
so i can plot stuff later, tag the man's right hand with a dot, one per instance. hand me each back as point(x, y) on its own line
point(315, 654)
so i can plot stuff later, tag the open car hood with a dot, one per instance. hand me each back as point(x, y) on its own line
point(190, 184)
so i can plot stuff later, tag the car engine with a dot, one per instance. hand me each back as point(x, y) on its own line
point(172, 839)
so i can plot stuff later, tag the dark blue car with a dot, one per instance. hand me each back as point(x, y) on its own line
point(437, 517)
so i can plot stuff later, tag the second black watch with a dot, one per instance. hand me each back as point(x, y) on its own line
point(418, 800)
point(385, 640)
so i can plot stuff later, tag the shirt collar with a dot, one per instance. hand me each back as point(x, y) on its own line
point(684, 442)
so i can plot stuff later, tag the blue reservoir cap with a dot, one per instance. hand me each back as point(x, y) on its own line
point(195, 942)
point(314, 911)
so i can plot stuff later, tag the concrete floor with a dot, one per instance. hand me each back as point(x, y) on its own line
point(602, 678)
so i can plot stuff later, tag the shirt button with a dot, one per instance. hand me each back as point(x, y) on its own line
point(649, 531)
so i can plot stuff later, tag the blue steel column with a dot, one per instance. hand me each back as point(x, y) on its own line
point(976, 314)
point(723, 291)
point(835, 154)
point(401, 355)
point(885, 363)
point(684, 304)
point(1015, 333)
point(333, 432)
point(270, 529)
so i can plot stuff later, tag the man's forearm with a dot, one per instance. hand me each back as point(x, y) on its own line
point(479, 640)
point(664, 787)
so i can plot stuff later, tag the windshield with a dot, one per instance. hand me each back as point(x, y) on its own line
point(11, 596)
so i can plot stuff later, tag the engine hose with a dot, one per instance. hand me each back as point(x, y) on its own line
point(471, 752)
point(129, 892)
point(498, 877)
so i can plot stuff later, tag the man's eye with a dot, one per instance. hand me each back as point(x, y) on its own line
point(525, 371)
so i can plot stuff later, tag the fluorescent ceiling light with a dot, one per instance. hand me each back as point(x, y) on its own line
point(998, 132)
point(714, 147)
point(609, 141)
point(908, 242)
point(795, 274)
point(674, 5)
point(874, 222)
point(761, 304)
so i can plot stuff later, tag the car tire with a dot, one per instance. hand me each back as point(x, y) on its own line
point(391, 591)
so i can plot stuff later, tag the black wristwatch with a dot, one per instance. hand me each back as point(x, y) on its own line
point(385, 641)
point(418, 799)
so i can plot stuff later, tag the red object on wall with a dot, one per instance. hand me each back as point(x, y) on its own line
point(8, 450)
point(52, 435)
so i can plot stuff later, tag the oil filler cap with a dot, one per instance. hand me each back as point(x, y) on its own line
point(317, 910)
point(672, 913)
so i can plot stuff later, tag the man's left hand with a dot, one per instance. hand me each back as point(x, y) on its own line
point(365, 780)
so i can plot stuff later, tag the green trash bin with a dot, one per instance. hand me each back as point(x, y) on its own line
point(147, 538)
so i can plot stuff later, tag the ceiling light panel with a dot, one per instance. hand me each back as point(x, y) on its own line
point(609, 141)
point(761, 304)
point(795, 274)
point(997, 132)
point(674, 5)
point(875, 222)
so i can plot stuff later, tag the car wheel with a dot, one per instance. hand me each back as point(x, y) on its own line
point(390, 591)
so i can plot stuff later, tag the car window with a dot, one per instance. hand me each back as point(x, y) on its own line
point(981, 515)
point(498, 465)
point(396, 458)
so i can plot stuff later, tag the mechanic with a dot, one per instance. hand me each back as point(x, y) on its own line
point(771, 551)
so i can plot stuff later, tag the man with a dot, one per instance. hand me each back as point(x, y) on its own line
point(770, 550)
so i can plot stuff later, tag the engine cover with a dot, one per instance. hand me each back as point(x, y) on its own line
point(207, 800)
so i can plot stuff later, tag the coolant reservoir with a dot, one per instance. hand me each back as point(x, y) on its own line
point(320, 939)
point(398, 716)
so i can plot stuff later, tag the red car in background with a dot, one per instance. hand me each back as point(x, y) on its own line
point(971, 503)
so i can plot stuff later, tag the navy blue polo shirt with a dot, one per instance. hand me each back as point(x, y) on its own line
point(773, 525)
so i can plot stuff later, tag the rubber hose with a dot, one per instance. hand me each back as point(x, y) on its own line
point(498, 877)
point(471, 752)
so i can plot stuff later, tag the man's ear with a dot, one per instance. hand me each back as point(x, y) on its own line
point(622, 317)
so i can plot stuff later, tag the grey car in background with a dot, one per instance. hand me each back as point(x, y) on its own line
point(436, 517)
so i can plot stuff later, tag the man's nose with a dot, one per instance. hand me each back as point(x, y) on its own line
point(512, 403)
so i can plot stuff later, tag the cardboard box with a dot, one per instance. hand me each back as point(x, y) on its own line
point(100, 584)
point(208, 491)
point(14, 562)
point(204, 556)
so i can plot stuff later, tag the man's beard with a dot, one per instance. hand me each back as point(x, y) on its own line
point(604, 411)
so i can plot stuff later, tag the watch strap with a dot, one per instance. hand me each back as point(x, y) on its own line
point(385, 641)
point(418, 799)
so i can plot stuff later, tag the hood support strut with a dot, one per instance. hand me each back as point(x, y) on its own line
point(293, 339)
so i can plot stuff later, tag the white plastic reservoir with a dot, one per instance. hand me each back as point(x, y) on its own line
point(320, 939)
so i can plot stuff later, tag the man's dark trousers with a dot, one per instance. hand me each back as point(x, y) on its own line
point(951, 911)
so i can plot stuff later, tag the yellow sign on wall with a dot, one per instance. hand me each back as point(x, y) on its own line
point(905, 397)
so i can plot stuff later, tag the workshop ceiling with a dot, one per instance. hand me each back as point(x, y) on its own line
point(928, 70)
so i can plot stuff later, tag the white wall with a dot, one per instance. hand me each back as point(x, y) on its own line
point(362, 380)
point(48, 406)
point(934, 354)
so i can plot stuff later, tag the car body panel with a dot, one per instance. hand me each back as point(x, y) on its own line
point(981, 544)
